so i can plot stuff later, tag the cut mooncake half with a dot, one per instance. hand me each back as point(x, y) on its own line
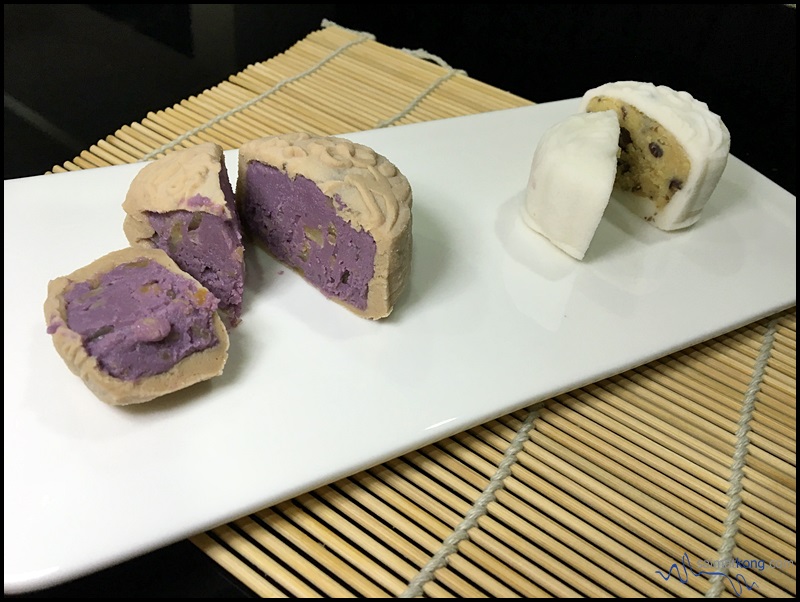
point(571, 178)
point(335, 211)
point(183, 203)
point(673, 150)
point(134, 326)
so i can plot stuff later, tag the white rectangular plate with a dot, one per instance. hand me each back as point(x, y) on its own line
point(495, 318)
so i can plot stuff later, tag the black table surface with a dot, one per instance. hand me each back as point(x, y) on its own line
point(59, 100)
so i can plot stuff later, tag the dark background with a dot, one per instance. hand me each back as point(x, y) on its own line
point(75, 73)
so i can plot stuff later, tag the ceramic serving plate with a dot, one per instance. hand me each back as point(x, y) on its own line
point(495, 319)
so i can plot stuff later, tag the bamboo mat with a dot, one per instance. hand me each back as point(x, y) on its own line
point(644, 484)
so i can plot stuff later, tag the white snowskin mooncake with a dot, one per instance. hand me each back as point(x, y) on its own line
point(571, 178)
point(673, 150)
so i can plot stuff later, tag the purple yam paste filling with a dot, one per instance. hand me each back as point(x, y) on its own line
point(298, 224)
point(139, 319)
point(207, 246)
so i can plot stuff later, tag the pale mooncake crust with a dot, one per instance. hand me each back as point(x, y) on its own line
point(702, 134)
point(170, 183)
point(374, 197)
point(572, 175)
point(200, 366)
